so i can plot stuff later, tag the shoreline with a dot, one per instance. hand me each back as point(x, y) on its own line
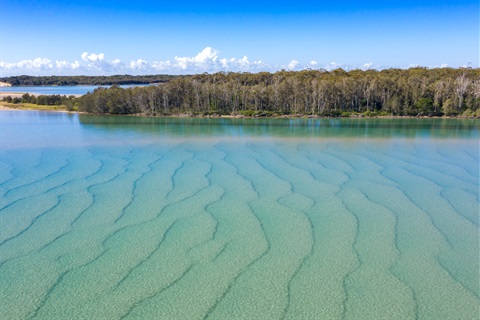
point(12, 94)
point(20, 94)
point(6, 108)
point(232, 116)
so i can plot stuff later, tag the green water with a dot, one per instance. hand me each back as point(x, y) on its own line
point(157, 218)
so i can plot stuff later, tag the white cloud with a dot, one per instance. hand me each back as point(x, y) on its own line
point(161, 66)
point(225, 63)
point(244, 62)
point(203, 61)
point(92, 57)
point(37, 65)
point(292, 65)
point(207, 55)
point(367, 66)
point(75, 65)
point(207, 60)
point(61, 64)
point(139, 64)
point(65, 65)
point(333, 65)
point(97, 62)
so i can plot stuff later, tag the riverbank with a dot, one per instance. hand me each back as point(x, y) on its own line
point(11, 94)
point(20, 94)
point(33, 107)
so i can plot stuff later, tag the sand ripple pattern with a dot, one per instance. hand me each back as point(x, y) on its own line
point(241, 229)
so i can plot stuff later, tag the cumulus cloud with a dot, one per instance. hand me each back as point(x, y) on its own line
point(37, 65)
point(333, 65)
point(139, 64)
point(367, 66)
point(292, 65)
point(206, 55)
point(92, 57)
point(62, 64)
point(207, 60)
point(98, 62)
point(204, 60)
point(75, 65)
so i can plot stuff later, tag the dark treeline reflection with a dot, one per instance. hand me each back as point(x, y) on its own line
point(284, 128)
point(416, 91)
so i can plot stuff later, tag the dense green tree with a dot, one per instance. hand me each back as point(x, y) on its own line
point(424, 105)
point(85, 80)
point(415, 91)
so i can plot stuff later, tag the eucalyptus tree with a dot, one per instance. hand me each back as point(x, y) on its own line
point(329, 93)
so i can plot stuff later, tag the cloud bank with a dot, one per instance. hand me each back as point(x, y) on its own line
point(207, 60)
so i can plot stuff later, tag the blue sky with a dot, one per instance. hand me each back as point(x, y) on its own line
point(180, 37)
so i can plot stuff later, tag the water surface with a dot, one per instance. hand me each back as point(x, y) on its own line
point(167, 218)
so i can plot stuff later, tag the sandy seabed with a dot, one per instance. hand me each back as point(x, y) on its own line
point(251, 228)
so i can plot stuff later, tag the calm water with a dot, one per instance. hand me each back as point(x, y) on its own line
point(154, 218)
point(49, 90)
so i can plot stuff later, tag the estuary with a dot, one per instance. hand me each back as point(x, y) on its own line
point(112, 217)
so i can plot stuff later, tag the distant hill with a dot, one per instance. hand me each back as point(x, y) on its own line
point(85, 80)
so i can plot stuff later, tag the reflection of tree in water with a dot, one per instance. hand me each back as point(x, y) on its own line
point(282, 128)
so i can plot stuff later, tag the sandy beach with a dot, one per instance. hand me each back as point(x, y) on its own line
point(2, 107)
point(11, 94)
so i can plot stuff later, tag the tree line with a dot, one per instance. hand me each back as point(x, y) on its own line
point(85, 80)
point(399, 92)
point(414, 91)
point(46, 100)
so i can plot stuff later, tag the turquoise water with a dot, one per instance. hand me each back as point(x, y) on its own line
point(158, 218)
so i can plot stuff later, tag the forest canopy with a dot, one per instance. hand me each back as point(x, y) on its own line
point(85, 80)
point(398, 92)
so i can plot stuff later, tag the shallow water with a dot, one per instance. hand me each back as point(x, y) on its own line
point(125, 217)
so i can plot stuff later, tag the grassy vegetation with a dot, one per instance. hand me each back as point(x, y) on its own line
point(31, 106)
